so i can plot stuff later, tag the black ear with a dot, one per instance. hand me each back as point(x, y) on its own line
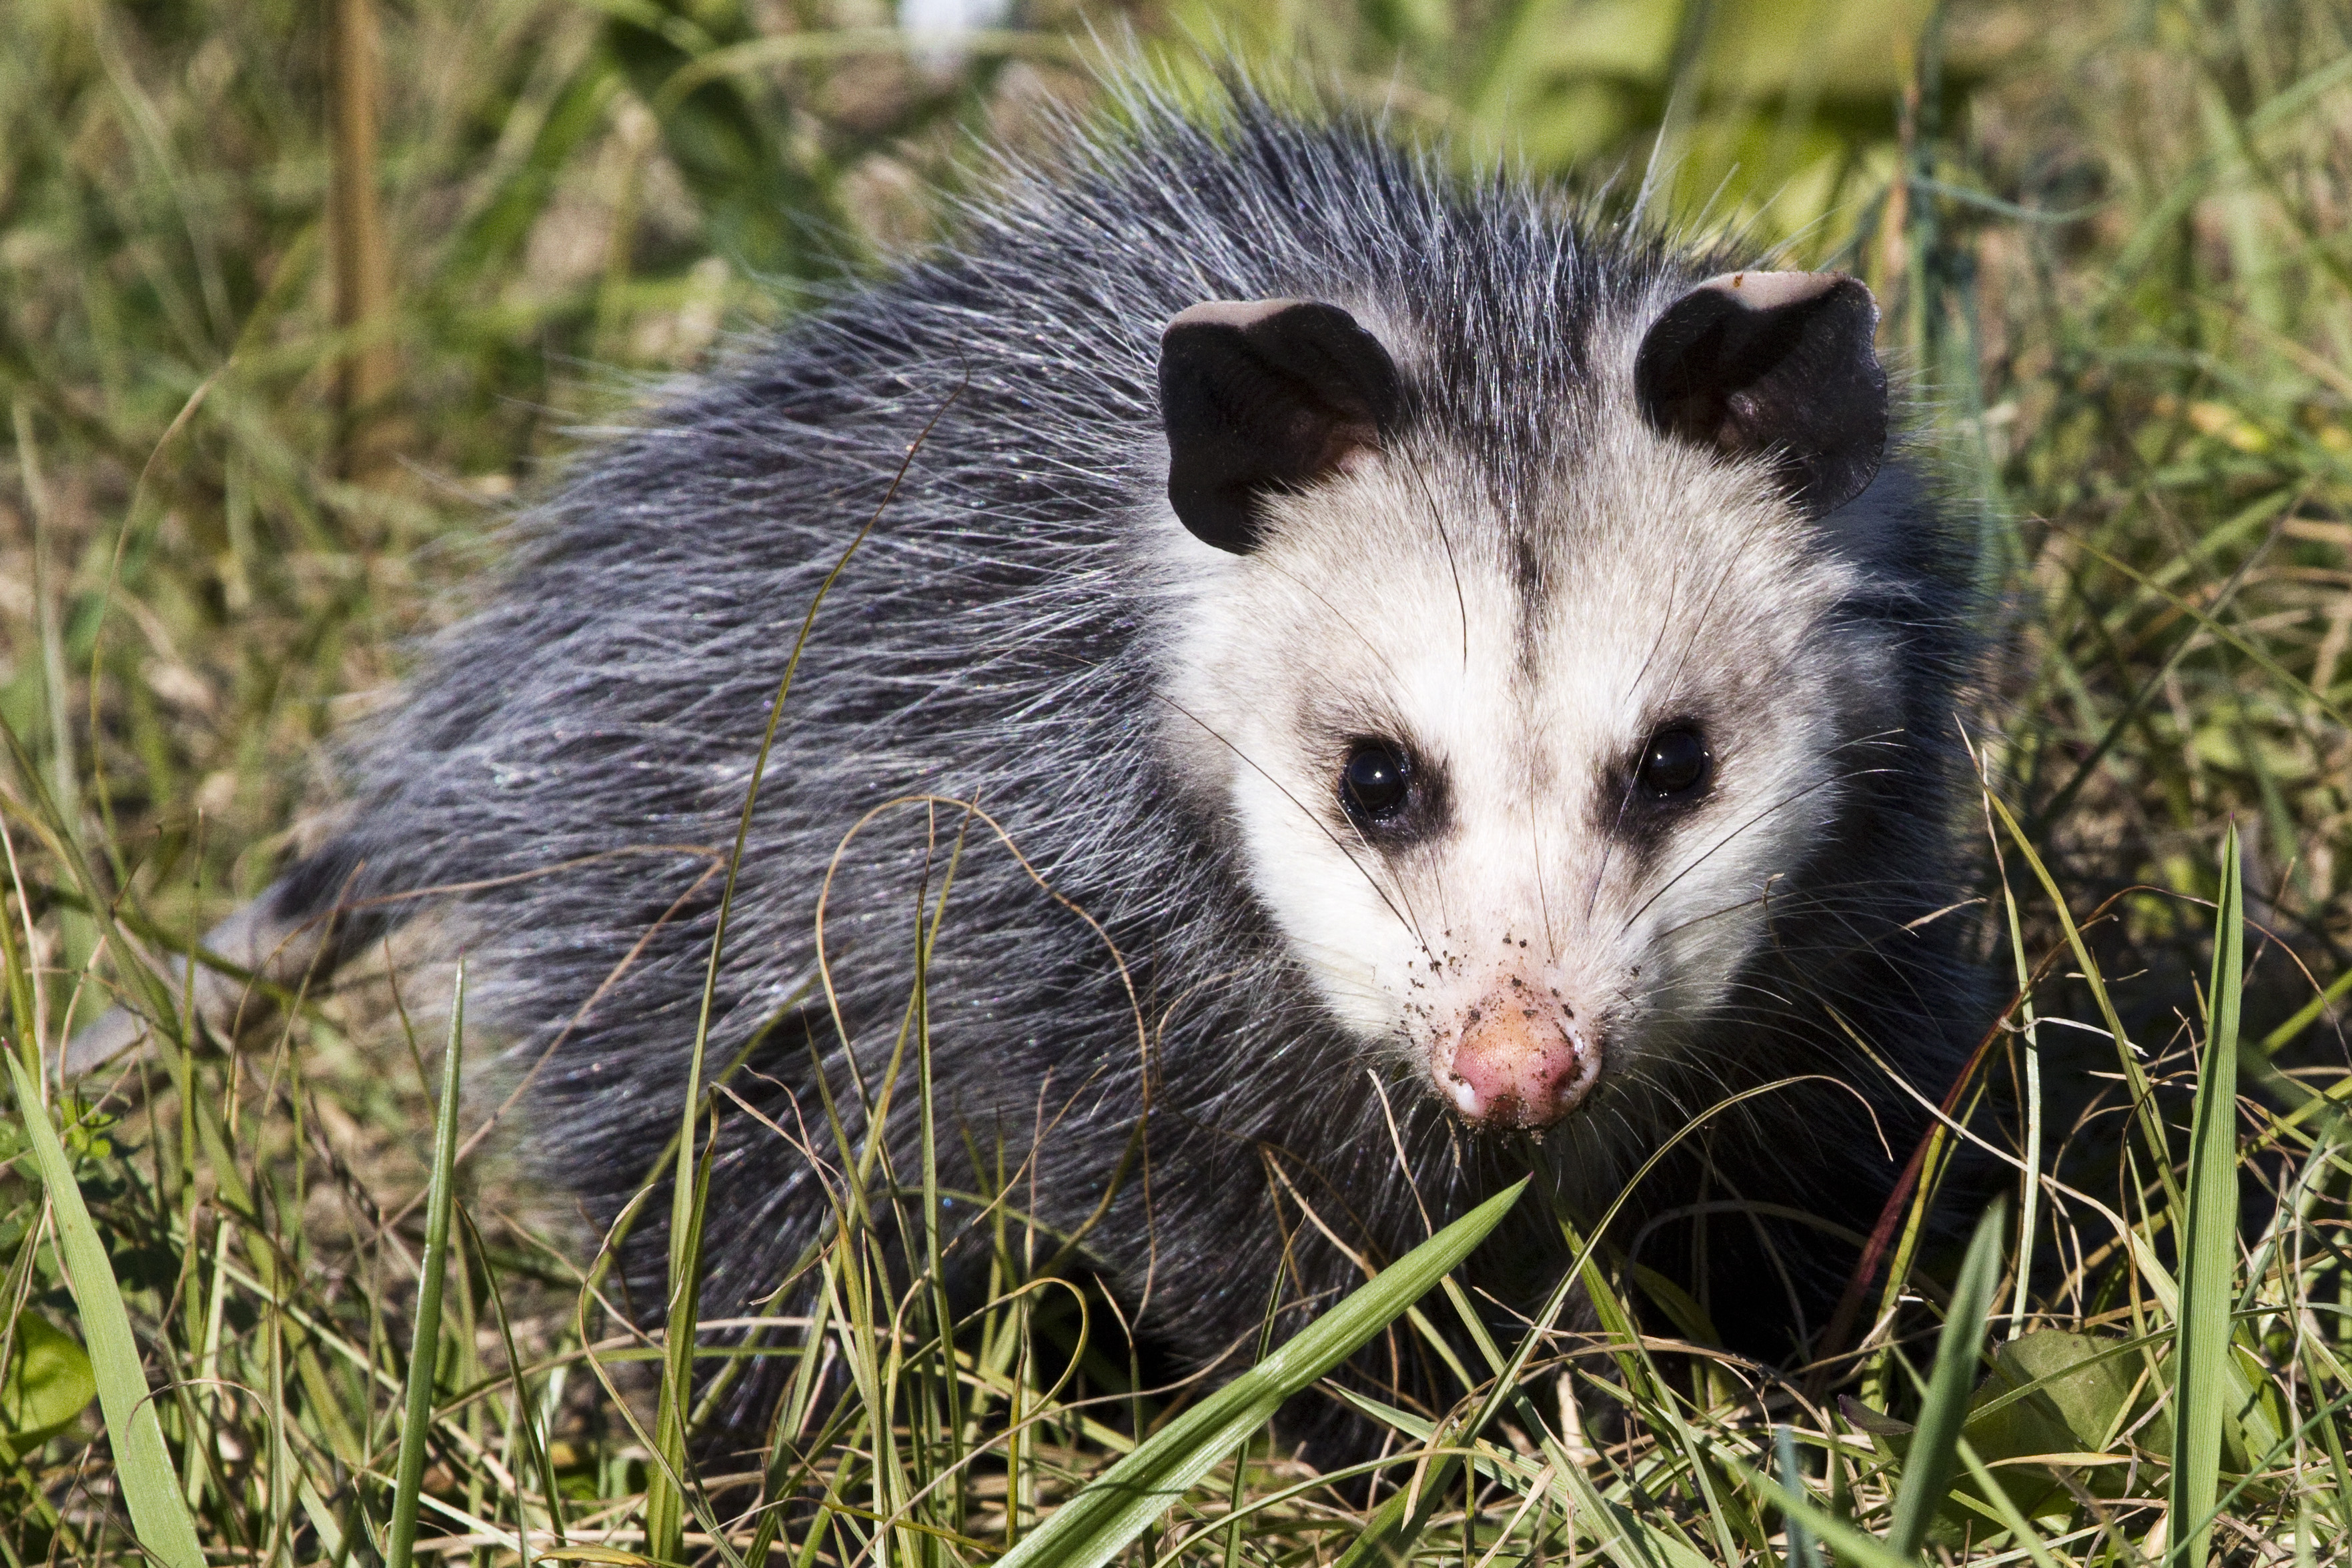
point(1774, 364)
point(1264, 396)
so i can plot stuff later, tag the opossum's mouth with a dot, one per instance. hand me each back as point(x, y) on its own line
point(1513, 1065)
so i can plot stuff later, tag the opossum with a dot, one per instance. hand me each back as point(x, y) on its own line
point(1389, 679)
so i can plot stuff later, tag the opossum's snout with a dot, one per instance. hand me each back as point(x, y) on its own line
point(1516, 1062)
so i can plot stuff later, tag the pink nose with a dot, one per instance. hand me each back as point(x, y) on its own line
point(1520, 1065)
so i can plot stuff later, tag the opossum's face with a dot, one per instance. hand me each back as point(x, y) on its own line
point(1515, 771)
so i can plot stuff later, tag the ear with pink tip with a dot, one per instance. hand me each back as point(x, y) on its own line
point(1262, 396)
point(1778, 365)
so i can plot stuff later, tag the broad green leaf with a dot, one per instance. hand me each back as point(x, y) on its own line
point(2079, 1388)
point(1995, 1490)
point(1095, 1526)
point(49, 1383)
point(726, 140)
point(2052, 1391)
point(142, 1466)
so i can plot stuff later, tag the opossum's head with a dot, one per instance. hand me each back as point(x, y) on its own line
point(1518, 744)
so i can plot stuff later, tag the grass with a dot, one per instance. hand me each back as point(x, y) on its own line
point(2109, 239)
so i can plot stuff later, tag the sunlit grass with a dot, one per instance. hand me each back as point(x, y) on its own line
point(2109, 241)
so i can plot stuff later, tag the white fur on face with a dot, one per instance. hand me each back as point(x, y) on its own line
point(1395, 602)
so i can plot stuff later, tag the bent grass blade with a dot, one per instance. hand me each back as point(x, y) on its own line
point(1095, 1526)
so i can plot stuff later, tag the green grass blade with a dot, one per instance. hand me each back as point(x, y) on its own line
point(2208, 1244)
point(501, 225)
point(535, 1465)
point(2306, 1015)
point(1095, 1526)
point(1629, 1537)
point(1935, 1442)
point(143, 1465)
point(1802, 1551)
point(2151, 1125)
point(1848, 1540)
point(666, 1499)
point(408, 1475)
point(2287, 680)
point(1389, 1536)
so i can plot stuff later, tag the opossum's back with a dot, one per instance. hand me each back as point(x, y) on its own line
point(991, 415)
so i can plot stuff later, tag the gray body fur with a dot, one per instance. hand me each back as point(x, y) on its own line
point(1000, 638)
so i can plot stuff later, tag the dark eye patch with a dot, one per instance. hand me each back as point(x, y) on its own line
point(1375, 782)
point(1676, 764)
point(1390, 794)
point(1670, 773)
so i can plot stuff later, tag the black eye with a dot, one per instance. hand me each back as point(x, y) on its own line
point(1375, 782)
point(1675, 763)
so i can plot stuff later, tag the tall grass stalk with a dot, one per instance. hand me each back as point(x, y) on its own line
point(2208, 1227)
point(432, 1276)
point(362, 246)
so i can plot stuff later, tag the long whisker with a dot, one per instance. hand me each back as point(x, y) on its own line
point(1313, 592)
point(1876, 737)
point(1787, 801)
point(1370, 881)
point(1412, 915)
point(1730, 908)
point(1816, 897)
point(1535, 845)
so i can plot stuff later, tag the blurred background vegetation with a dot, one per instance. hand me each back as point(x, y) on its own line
point(298, 300)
